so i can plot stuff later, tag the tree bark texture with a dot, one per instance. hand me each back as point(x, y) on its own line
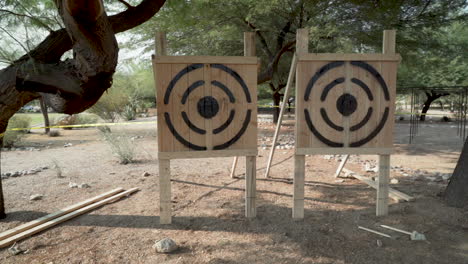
point(456, 193)
point(45, 114)
point(73, 85)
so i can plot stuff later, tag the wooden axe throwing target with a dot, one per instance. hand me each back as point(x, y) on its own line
point(206, 104)
point(345, 103)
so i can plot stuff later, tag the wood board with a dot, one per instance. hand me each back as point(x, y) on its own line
point(206, 104)
point(345, 103)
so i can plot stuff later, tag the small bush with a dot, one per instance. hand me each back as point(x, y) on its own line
point(13, 137)
point(122, 147)
point(129, 113)
point(110, 106)
point(54, 133)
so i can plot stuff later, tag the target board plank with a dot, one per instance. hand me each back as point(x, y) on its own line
point(206, 104)
point(345, 103)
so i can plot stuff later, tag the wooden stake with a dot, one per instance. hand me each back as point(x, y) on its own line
point(302, 44)
point(298, 195)
point(341, 166)
point(250, 187)
point(233, 168)
point(165, 207)
point(375, 232)
point(63, 211)
point(249, 50)
point(11, 240)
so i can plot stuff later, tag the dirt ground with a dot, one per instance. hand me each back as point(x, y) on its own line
point(208, 205)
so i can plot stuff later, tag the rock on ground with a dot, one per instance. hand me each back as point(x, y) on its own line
point(165, 245)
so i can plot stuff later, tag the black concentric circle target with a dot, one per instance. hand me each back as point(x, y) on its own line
point(346, 104)
point(208, 106)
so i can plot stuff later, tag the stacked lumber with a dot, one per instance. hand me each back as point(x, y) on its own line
point(11, 236)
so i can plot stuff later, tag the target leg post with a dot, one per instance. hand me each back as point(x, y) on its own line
point(250, 187)
point(383, 185)
point(165, 209)
point(298, 195)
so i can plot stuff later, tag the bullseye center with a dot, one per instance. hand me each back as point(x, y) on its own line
point(208, 107)
point(346, 104)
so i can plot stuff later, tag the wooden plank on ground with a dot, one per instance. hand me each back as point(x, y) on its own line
point(394, 194)
point(11, 240)
point(51, 216)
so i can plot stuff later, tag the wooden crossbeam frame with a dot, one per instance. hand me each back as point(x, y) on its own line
point(165, 207)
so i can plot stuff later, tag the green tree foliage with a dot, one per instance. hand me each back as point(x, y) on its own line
point(210, 27)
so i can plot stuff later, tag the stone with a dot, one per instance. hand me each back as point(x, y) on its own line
point(165, 245)
point(394, 181)
point(405, 175)
point(146, 174)
point(379, 243)
point(369, 168)
point(67, 145)
point(72, 185)
point(83, 186)
point(446, 176)
point(15, 250)
point(36, 197)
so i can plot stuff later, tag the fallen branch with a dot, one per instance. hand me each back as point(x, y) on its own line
point(11, 240)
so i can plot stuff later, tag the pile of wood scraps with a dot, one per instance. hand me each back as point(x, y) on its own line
point(11, 236)
point(394, 194)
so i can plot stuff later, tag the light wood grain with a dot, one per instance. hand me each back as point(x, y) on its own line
point(165, 207)
point(39, 228)
point(207, 59)
point(250, 187)
point(207, 154)
point(57, 214)
point(383, 185)
point(298, 194)
point(326, 151)
point(348, 57)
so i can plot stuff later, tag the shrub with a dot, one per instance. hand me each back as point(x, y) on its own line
point(129, 113)
point(11, 137)
point(121, 146)
point(110, 106)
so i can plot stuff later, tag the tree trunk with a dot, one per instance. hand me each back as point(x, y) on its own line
point(2, 204)
point(456, 193)
point(430, 97)
point(73, 85)
point(45, 114)
point(425, 108)
point(276, 105)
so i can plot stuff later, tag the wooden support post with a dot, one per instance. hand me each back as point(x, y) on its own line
point(250, 186)
point(341, 166)
point(383, 185)
point(161, 44)
point(165, 207)
point(298, 195)
point(388, 47)
point(249, 50)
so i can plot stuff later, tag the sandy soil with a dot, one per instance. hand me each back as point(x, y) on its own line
point(208, 205)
